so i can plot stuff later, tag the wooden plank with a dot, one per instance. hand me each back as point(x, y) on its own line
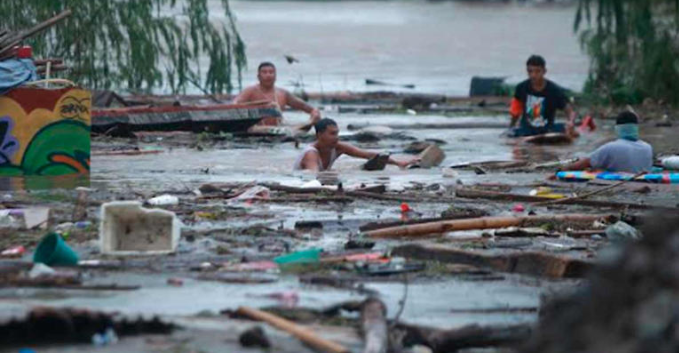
point(532, 263)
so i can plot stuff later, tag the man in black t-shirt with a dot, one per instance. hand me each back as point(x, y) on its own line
point(536, 101)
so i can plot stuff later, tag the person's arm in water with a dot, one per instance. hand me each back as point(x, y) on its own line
point(296, 103)
point(570, 124)
point(345, 148)
point(311, 161)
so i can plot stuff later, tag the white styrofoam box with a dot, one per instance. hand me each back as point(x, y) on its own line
point(129, 229)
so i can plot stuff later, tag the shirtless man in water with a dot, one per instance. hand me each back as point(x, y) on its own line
point(320, 156)
point(266, 93)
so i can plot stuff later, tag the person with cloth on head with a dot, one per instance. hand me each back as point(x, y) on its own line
point(535, 103)
point(266, 93)
point(320, 155)
point(626, 154)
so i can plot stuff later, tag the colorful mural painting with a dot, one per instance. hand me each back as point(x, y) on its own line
point(45, 132)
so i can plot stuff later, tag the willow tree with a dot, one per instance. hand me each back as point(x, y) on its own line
point(633, 46)
point(137, 45)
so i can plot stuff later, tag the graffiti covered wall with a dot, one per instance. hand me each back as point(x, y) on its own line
point(45, 132)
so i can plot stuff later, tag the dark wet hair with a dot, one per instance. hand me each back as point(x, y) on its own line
point(627, 117)
point(323, 124)
point(536, 60)
point(265, 64)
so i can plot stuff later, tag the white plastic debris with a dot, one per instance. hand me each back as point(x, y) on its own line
point(129, 229)
point(164, 200)
point(40, 270)
point(253, 193)
point(450, 173)
point(670, 162)
point(621, 231)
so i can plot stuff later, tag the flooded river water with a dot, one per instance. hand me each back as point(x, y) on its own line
point(437, 46)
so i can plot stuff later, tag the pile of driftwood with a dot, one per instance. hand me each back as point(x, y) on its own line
point(10, 40)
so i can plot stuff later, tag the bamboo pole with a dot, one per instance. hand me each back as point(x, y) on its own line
point(490, 195)
point(303, 334)
point(475, 223)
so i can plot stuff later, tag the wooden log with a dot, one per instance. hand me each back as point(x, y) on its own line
point(540, 264)
point(491, 195)
point(474, 224)
point(305, 335)
point(374, 326)
point(472, 336)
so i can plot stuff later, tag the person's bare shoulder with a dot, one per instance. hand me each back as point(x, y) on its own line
point(246, 94)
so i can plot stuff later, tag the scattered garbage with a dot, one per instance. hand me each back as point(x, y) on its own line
point(254, 337)
point(327, 177)
point(254, 193)
point(45, 325)
point(163, 200)
point(300, 257)
point(430, 157)
point(287, 299)
point(129, 229)
point(16, 251)
point(621, 231)
point(518, 208)
point(354, 244)
point(174, 281)
point(450, 173)
point(251, 266)
point(671, 162)
point(378, 162)
point(546, 192)
point(40, 270)
point(53, 251)
point(25, 218)
point(104, 339)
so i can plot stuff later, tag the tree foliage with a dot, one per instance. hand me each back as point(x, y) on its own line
point(137, 45)
point(633, 46)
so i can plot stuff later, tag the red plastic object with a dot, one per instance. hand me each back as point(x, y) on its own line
point(587, 123)
point(518, 208)
point(16, 251)
point(25, 52)
point(405, 207)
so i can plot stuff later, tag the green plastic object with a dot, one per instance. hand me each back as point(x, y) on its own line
point(300, 257)
point(53, 251)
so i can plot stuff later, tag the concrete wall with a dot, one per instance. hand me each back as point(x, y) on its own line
point(45, 132)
